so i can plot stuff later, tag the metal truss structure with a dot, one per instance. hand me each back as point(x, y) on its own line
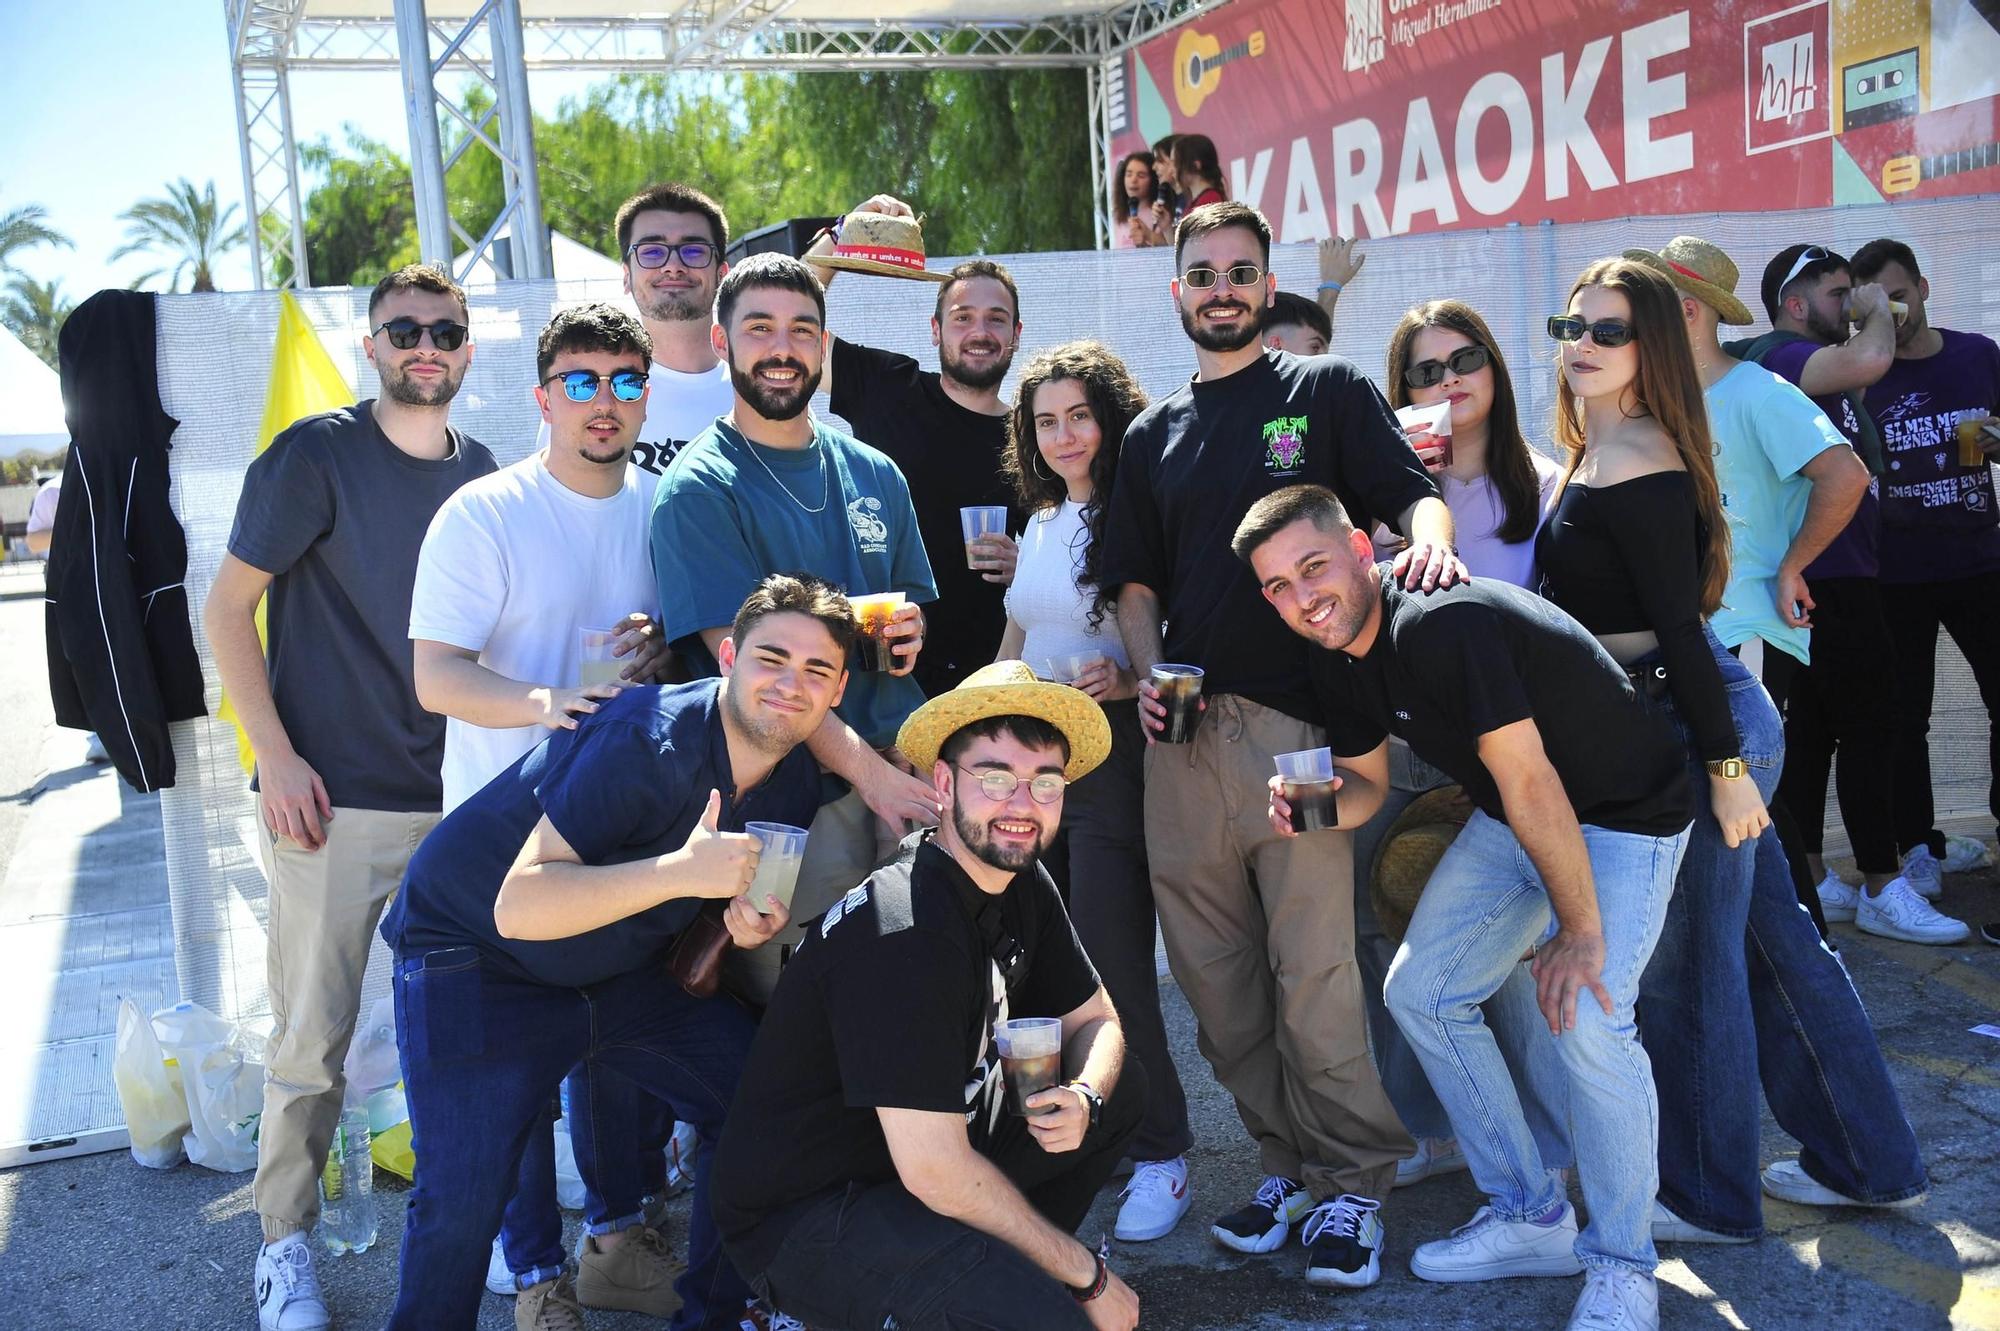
point(503, 41)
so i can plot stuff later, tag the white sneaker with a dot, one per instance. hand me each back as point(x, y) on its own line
point(1488, 1248)
point(1898, 912)
point(288, 1297)
point(93, 752)
point(1788, 1182)
point(1343, 1238)
point(1670, 1228)
point(1155, 1200)
point(1922, 869)
point(1616, 1298)
point(1837, 899)
point(1964, 854)
point(499, 1278)
point(1435, 1155)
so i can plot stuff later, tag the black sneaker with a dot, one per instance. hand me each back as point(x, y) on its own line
point(1343, 1237)
point(1990, 931)
point(1265, 1224)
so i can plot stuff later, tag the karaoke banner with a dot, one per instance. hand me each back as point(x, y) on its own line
point(1381, 117)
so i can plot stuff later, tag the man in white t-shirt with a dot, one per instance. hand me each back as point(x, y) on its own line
point(515, 569)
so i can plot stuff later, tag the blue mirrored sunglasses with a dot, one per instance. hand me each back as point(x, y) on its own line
point(581, 385)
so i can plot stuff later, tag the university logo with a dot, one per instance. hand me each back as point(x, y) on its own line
point(869, 529)
point(1285, 445)
point(1364, 45)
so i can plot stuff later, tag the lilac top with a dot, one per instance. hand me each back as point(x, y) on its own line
point(1477, 513)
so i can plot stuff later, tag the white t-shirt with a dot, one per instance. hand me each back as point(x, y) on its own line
point(1053, 612)
point(679, 407)
point(42, 511)
point(515, 564)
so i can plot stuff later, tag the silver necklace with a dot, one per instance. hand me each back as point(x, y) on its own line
point(787, 489)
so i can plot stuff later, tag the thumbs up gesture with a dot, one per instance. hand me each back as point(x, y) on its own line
point(715, 863)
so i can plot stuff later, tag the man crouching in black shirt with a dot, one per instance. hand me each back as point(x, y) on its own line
point(869, 1156)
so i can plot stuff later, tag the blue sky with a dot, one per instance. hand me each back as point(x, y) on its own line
point(105, 102)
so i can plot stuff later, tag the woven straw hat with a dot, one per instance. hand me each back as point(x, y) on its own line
point(1415, 843)
point(1008, 688)
point(880, 244)
point(1701, 270)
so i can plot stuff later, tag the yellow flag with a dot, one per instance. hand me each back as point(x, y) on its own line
point(304, 382)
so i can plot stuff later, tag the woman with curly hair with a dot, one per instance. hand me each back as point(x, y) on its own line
point(1134, 191)
point(1064, 434)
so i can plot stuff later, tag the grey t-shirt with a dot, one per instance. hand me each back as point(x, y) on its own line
point(336, 514)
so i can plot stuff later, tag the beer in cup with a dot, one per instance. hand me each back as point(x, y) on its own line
point(1975, 437)
point(984, 520)
point(594, 651)
point(1030, 1058)
point(874, 613)
point(780, 847)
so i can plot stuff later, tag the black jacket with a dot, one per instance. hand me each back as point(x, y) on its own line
point(121, 653)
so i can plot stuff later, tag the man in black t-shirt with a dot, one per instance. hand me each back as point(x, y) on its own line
point(868, 1153)
point(1259, 929)
point(947, 431)
point(1583, 816)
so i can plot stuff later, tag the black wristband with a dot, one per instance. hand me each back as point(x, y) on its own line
point(1085, 1293)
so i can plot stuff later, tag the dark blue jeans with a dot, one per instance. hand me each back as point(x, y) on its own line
point(531, 1232)
point(482, 1055)
point(1740, 990)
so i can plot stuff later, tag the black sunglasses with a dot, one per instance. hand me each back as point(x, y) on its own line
point(1427, 373)
point(1605, 332)
point(655, 253)
point(446, 334)
point(581, 385)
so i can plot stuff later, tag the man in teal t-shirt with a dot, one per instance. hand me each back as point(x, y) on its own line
point(768, 490)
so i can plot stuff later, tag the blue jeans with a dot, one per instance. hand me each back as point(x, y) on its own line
point(531, 1231)
point(1741, 989)
point(483, 1053)
point(1484, 907)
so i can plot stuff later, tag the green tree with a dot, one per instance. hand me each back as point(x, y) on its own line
point(34, 312)
point(24, 228)
point(187, 227)
point(360, 219)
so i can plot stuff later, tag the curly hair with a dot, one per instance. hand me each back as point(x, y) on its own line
point(597, 327)
point(1114, 398)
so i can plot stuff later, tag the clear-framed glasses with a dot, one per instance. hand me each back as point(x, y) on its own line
point(1428, 373)
point(1000, 785)
point(657, 253)
point(1241, 275)
point(581, 385)
point(405, 333)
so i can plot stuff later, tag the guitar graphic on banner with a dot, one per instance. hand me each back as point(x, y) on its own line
point(1198, 62)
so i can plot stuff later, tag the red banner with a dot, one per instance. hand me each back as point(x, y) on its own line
point(1380, 117)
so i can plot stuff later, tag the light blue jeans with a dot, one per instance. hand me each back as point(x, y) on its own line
point(1483, 908)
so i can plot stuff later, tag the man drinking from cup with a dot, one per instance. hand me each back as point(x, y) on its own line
point(870, 1173)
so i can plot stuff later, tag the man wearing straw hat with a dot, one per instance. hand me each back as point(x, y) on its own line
point(870, 1174)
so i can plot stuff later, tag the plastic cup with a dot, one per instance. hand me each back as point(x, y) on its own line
point(596, 664)
point(781, 847)
point(1429, 432)
point(978, 521)
point(1179, 687)
point(1067, 669)
point(874, 613)
point(1974, 437)
point(1030, 1058)
point(1305, 779)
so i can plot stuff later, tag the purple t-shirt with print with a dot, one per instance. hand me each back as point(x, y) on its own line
point(1855, 552)
point(1938, 519)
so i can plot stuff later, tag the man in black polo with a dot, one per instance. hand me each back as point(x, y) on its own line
point(868, 1158)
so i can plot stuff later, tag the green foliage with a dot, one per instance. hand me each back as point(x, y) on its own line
point(24, 228)
point(34, 312)
point(361, 219)
point(187, 228)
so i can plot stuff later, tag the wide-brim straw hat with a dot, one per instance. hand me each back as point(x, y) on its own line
point(1702, 270)
point(880, 244)
point(1415, 843)
point(1008, 688)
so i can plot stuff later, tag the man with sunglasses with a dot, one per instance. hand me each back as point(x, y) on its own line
point(1259, 928)
point(870, 1174)
point(347, 777)
point(515, 569)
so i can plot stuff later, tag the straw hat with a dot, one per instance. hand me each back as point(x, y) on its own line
point(1415, 843)
point(1701, 270)
point(1008, 688)
point(880, 244)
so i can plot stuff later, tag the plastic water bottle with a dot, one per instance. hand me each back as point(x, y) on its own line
point(347, 1220)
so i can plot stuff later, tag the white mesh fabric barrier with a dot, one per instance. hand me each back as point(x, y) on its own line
point(215, 357)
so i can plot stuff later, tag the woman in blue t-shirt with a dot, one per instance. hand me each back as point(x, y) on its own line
point(1064, 435)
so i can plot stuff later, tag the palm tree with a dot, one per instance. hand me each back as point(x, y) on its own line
point(187, 227)
point(24, 228)
point(35, 311)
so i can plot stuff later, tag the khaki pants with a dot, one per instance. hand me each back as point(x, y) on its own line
point(843, 846)
point(1260, 934)
point(325, 905)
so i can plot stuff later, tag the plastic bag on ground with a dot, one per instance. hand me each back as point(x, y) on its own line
point(222, 1073)
point(569, 1183)
point(372, 1060)
point(389, 1132)
point(149, 1091)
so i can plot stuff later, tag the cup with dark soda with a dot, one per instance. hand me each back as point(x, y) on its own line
point(874, 613)
point(1305, 780)
point(1030, 1058)
point(1179, 687)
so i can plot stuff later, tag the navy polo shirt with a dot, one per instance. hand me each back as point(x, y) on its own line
point(628, 784)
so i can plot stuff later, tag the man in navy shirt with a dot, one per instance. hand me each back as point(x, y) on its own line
point(532, 930)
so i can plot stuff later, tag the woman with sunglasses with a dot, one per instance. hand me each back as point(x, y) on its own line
point(1069, 419)
point(1637, 549)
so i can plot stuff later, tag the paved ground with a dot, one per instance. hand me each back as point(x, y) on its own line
point(100, 1243)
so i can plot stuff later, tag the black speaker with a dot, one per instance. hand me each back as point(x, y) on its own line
point(794, 238)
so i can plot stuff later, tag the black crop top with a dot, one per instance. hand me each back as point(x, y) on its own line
point(1626, 558)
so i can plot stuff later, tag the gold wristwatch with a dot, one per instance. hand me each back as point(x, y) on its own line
point(1729, 769)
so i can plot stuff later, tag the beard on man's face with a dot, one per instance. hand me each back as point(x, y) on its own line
point(768, 400)
point(411, 391)
point(977, 836)
point(1229, 338)
point(673, 306)
point(981, 377)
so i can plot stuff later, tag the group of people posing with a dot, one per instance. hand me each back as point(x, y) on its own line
point(546, 714)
